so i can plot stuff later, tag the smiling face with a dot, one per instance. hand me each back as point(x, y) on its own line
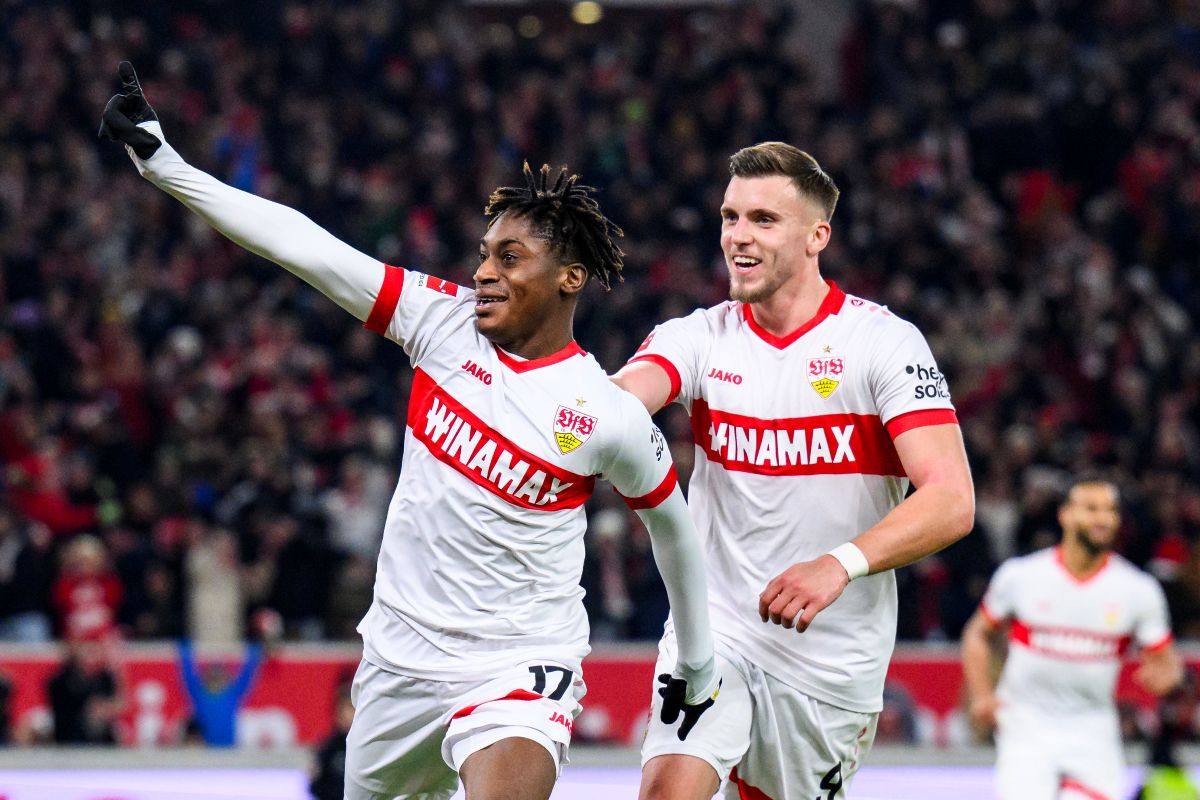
point(769, 233)
point(1091, 516)
point(524, 294)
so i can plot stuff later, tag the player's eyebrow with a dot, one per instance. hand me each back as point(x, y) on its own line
point(759, 211)
point(504, 243)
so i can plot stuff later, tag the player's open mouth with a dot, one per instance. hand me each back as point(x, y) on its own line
point(745, 263)
point(483, 301)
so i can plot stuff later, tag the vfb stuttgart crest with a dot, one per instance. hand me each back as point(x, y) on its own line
point(825, 374)
point(572, 428)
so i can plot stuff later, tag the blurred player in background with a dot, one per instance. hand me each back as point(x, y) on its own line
point(1071, 611)
point(474, 642)
point(812, 410)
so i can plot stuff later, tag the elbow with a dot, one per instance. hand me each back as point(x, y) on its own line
point(961, 517)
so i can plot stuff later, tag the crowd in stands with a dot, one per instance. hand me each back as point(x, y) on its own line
point(189, 434)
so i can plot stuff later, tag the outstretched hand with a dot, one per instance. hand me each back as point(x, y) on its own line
point(674, 693)
point(125, 111)
point(807, 587)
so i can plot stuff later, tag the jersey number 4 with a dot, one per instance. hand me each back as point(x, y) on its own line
point(539, 681)
point(832, 781)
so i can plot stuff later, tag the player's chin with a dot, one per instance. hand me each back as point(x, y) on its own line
point(492, 323)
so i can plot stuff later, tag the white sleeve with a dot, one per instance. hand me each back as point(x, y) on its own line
point(679, 347)
point(1152, 629)
point(351, 279)
point(908, 388)
point(642, 472)
point(1000, 600)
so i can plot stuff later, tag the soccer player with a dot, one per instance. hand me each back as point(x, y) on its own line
point(472, 648)
point(812, 410)
point(1071, 612)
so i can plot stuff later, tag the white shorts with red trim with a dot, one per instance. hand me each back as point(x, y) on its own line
point(411, 736)
point(1042, 757)
point(766, 740)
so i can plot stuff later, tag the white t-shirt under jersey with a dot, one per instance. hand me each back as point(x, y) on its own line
point(1067, 636)
point(483, 545)
point(794, 456)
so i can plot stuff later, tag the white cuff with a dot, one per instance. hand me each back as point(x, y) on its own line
point(850, 557)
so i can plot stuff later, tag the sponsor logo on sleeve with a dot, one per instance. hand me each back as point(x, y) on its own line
point(825, 374)
point(572, 428)
point(438, 285)
point(656, 439)
point(930, 383)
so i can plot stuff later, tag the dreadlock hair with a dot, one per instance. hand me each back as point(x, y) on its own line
point(566, 217)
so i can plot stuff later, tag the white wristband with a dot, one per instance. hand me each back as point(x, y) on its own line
point(850, 557)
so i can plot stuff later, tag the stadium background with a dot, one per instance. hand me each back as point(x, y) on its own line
point(196, 445)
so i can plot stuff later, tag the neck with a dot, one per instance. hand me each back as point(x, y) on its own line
point(1082, 561)
point(545, 341)
point(792, 305)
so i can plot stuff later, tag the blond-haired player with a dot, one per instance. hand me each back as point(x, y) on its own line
point(812, 412)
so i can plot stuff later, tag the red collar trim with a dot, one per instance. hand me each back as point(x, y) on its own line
point(518, 365)
point(832, 304)
point(1058, 558)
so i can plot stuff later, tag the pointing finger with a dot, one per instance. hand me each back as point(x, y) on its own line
point(129, 78)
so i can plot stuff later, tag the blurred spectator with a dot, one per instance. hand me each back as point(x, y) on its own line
point(86, 694)
point(329, 774)
point(216, 693)
point(215, 603)
point(87, 593)
point(26, 571)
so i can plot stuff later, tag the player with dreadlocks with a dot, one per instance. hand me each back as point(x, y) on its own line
point(473, 646)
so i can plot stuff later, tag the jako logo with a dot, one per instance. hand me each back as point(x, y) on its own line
point(728, 377)
point(561, 719)
point(478, 372)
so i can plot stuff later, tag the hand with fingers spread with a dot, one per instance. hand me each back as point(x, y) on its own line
point(795, 596)
point(690, 692)
point(125, 113)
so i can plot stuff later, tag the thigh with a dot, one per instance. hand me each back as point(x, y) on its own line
point(1027, 765)
point(1093, 766)
point(722, 734)
point(534, 700)
point(800, 748)
point(393, 749)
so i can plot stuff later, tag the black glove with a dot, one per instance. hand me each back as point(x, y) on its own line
point(123, 113)
point(674, 695)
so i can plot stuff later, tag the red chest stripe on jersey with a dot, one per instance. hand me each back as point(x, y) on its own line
point(461, 440)
point(515, 694)
point(825, 444)
point(385, 302)
point(1069, 644)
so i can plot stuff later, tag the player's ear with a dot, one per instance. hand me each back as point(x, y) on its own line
point(572, 278)
point(818, 237)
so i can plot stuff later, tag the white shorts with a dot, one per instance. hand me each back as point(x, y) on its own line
point(1040, 757)
point(765, 735)
point(410, 736)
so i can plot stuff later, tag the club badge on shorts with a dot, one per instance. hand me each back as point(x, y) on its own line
point(572, 428)
point(825, 374)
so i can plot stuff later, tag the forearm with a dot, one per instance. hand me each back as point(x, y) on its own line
point(931, 518)
point(278, 233)
point(976, 655)
point(681, 563)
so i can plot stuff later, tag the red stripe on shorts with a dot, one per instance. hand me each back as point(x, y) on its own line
point(745, 790)
point(1086, 791)
point(515, 694)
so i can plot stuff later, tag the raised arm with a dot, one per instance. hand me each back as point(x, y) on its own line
point(278, 233)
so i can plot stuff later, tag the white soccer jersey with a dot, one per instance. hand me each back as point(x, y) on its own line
point(794, 456)
point(1067, 636)
point(483, 544)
